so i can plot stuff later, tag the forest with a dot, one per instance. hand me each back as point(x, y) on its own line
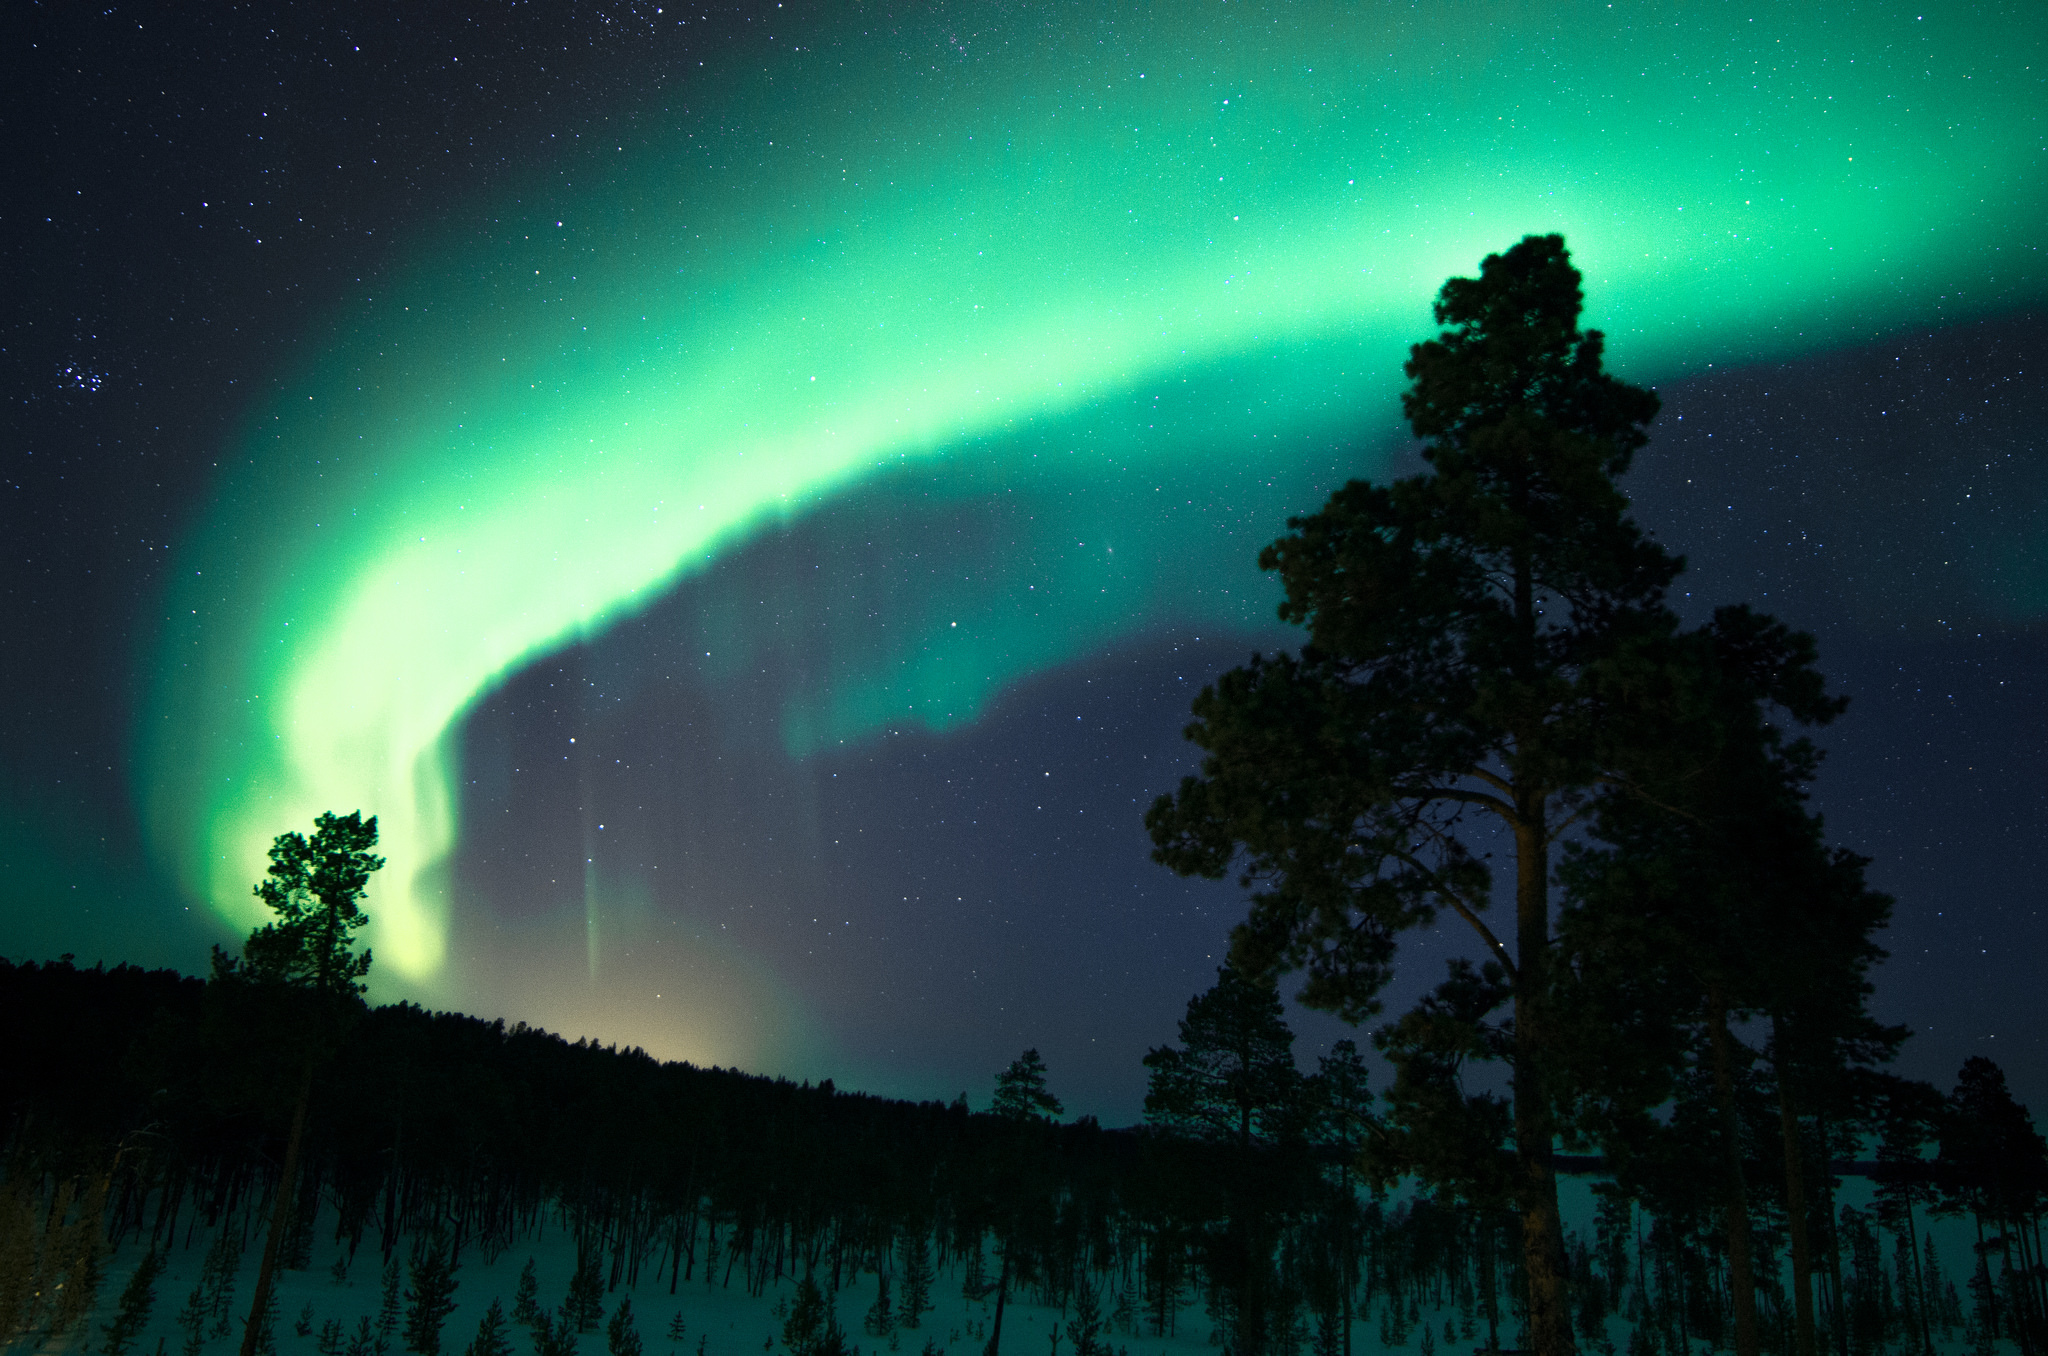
point(143, 1120)
point(1657, 1114)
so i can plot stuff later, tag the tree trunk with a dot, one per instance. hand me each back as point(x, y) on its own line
point(1984, 1267)
point(280, 1213)
point(1550, 1323)
point(2020, 1326)
point(1919, 1278)
point(1795, 1205)
point(1735, 1196)
point(1827, 1191)
point(995, 1332)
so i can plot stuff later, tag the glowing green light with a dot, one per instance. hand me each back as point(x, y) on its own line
point(528, 436)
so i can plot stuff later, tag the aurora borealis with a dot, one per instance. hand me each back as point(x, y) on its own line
point(1068, 308)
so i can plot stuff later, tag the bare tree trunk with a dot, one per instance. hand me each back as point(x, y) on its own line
point(266, 1274)
point(1550, 1323)
point(1919, 1280)
point(1827, 1191)
point(1735, 1196)
point(995, 1333)
point(2020, 1326)
point(1795, 1205)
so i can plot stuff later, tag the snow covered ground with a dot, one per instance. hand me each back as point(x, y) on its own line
point(714, 1319)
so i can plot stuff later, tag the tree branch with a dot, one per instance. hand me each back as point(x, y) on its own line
point(1464, 911)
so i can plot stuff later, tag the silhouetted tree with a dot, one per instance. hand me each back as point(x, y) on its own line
point(429, 1295)
point(1233, 1081)
point(1459, 625)
point(1233, 1077)
point(492, 1337)
point(913, 1263)
point(137, 1297)
point(1994, 1164)
point(583, 1307)
point(313, 886)
point(880, 1319)
point(526, 1296)
point(621, 1337)
point(811, 1329)
point(1021, 1092)
point(1905, 1179)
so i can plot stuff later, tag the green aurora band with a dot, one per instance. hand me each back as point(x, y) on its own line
point(983, 248)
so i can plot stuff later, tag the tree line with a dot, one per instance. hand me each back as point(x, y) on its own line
point(140, 1121)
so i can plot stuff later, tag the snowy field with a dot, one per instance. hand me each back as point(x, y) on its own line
point(696, 1318)
point(343, 1306)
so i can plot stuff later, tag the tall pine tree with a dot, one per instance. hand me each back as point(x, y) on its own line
point(1460, 625)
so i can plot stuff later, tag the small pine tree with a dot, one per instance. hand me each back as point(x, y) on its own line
point(430, 1298)
point(192, 1320)
point(1084, 1329)
point(915, 1265)
point(621, 1338)
point(526, 1299)
point(584, 1306)
point(133, 1312)
point(554, 1335)
point(491, 1339)
point(676, 1327)
point(303, 1325)
point(266, 1326)
point(333, 1338)
point(811, 1329)
point(388, 1308)
point(364, 1342)
point(1021, 1093)
point(217, 1277)
point(881, 1318)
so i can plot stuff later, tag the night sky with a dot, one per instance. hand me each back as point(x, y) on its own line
point(746, 495)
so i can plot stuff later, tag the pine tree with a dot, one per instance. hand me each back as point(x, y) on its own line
point(1461, 625)
point(491, 1337)
point(811, 1328)
point(526, 1298)
point(1084, 1329)
point(314, 888)
point(364, 1341)
point(1233, 1078)
point(677, 1328)
point(265, 1339)
point(583, 1308)
point(389, 1310)
point(137, 1297)
point(915, 1267)
point(554, 1335)
point(430, 1297)
point(217, 1275)
point(1021, 1093)
point(192, 1320)
point(333, 1338)
point(621, 1337)
point(881, 1317)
